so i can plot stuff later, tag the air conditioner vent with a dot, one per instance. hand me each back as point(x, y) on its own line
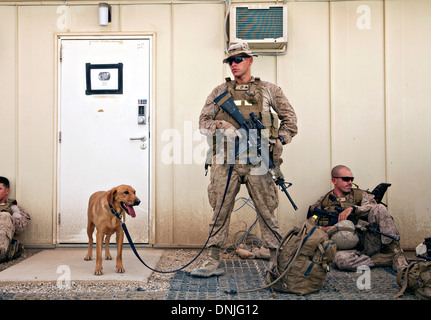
point(259, 24)
point(264, 27)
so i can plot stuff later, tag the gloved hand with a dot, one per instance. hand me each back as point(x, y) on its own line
point(276, 173)
point(277, 151)
point(228, 129)
point(278, 147)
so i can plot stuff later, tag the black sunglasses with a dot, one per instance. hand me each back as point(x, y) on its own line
point(235, 59)
point(346, 179)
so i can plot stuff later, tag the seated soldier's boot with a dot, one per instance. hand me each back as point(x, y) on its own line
point(210, 266)
point(12, 250)
point(382, 259)
point(20, 251)
point(399, 260)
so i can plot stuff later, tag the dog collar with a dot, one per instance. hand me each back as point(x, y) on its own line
point(115, 213)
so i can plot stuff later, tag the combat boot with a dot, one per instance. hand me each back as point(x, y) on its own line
point(19, 251)
point(210, 266)
point(399, 260)
point(382, 259)
point(12, 250)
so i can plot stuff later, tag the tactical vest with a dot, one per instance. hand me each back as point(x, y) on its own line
point(249, 98)
point(7, 206)
point(329, 202)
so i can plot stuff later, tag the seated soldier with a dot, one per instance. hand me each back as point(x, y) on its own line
point(361, 205)
point(13, 221)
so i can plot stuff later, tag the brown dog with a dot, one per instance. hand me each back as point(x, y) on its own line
point(103, 209)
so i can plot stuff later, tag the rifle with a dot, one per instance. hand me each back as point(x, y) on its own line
point(374, 228)
point(361, 224)
point(380, 191)
point(333, 216)
point(226, 102)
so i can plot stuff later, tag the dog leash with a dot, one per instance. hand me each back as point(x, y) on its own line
point(132, 245)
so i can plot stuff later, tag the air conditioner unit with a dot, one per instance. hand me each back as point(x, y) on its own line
point(262, 26)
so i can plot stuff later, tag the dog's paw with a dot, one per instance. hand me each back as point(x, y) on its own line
point(108, 257)
point(98, 271)
point(87, 258)
point(120, 269)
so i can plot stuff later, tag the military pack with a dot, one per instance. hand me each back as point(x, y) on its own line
point(302, 260)
point(417, 279)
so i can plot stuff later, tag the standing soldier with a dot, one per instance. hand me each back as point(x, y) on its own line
point(250, 95)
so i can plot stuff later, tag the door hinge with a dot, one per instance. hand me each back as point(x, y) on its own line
point(61, 53)
point(59, 218)
point(59, 136)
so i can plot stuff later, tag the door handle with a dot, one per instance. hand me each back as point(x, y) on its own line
point(144, 138)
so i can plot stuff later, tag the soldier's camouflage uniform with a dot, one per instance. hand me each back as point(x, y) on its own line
point(260, 185)
point(13, 221)
point(365, 208)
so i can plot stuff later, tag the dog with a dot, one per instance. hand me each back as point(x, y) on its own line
point(105, 208)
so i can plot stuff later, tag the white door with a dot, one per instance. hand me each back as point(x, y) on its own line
point(104, 128)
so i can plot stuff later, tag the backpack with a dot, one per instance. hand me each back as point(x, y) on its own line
point(417, 278)
point(302, 260)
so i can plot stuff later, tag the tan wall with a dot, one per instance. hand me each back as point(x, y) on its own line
point(408, 79)
point(361, 95)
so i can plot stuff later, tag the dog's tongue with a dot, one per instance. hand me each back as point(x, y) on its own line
point(131, 210)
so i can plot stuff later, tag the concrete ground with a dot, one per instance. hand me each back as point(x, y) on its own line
point(54, 264)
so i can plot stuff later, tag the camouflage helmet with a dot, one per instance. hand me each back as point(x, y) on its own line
point(239, 49)
point(344, 235)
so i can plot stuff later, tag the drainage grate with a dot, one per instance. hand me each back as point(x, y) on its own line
point(250, 274)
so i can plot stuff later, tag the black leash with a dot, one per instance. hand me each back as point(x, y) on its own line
point(132, 245)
